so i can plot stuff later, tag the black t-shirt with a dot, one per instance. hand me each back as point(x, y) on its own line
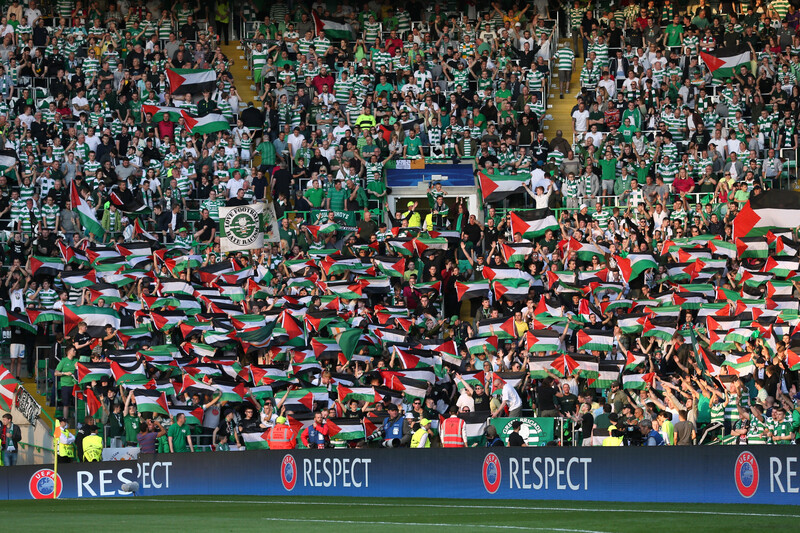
point(82, 338)
point(481, 402)
point(545, 398)
point(587, 422)
point(515, 439)
point(207, 225)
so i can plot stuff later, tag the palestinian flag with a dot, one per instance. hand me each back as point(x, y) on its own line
point(482, 345)
point(722, 248)
point(345, 428)
point(498, 186)
point(255, 440)
point(88, 372)
point(40, 316)
point(78, 279)
point(414, 388)
point(362, 394)
point(88, 218)
point(472, 289)
point(769, 210)
point(193, 81)
point(8, 388)
point(391, 266)
point(475, 425)
point(631, 266)
point(752, 247)
point(542, 340)
point(194, 416)
point(517, 252)
point(332, 28)
point(8, 158)
point(95, 317)
point(586, 250)
point(541, 367)
point(128, 371)
point(534, 223)
point(208, 124)
point(46, 266)
point(607, 375)
point(511, 289)
point(158, 111)
point(130, 206)
point(707, 363)
point(472, 378)
point(589, 339)
point(740, 365)
point(151, 401)
point(564, 365)
point(637, 381)
point(502, 327)
point(302, 400)
point(632, 360)
point(725, 62)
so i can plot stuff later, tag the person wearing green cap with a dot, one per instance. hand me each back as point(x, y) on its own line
point(183, 239)
point(423, 435)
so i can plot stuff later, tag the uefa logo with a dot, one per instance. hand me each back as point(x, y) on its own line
point(42, 486)
point(746, 474)
point(491, 473)
point(288, 472)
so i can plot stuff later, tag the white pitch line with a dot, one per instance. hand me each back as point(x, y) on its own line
point(442, 506)
point(489, 526)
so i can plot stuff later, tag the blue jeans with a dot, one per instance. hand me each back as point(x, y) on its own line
point(9, 458)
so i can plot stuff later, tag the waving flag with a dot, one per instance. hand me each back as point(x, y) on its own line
point(770, 210)
point(86, 214)
point(332, 28)
point(497, 187)
point(533, 223)
point(151, 401)
point(193, 81)
point(210, 123)
point(595, 340)
point(724, 62)
point(158, 111)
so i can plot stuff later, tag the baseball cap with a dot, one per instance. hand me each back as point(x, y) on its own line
point(424, 422)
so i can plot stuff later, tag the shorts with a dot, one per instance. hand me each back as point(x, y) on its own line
point(17, 351)
point(564, 76)
point(66, 396)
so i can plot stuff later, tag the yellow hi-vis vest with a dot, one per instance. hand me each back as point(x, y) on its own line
point(92, 448)
point(417, 438)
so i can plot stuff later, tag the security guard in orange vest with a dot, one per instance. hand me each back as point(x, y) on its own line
point(281, 436)
point(453, 431)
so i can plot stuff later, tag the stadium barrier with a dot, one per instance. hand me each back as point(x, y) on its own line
point(755, 474)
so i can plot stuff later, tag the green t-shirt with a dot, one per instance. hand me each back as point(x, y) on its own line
point(179, 434)
point(413, 145)
point(131, 423)
point(315, 196)
point(674, 32)
point(66, 365)
point(337, 199)
point(608, 168)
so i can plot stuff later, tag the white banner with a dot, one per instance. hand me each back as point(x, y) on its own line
point(241, 227)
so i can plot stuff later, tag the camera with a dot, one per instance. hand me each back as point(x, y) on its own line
point(631, 435)
point(393, 443)
point(376, 435)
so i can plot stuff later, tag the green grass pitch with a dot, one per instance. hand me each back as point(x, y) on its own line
point(368, 515)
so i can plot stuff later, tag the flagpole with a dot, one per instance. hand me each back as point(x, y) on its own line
point(56, 443)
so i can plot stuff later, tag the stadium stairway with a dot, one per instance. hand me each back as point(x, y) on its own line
point(561, 109)
point(242, 77)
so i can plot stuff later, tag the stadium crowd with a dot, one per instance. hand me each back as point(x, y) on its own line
point(628, 303)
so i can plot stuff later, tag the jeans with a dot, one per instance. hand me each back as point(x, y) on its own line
point(9, 458)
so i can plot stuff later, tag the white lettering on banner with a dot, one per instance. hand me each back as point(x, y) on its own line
point(782, 477)
point(538, 473)
point(152, 475)
point(334, 472)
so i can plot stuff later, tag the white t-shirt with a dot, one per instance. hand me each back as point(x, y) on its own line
point(511, 397)
point(79, 102)
point(233, 187)
point(581, 120)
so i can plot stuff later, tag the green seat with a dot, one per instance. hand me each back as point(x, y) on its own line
point(192, 214)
